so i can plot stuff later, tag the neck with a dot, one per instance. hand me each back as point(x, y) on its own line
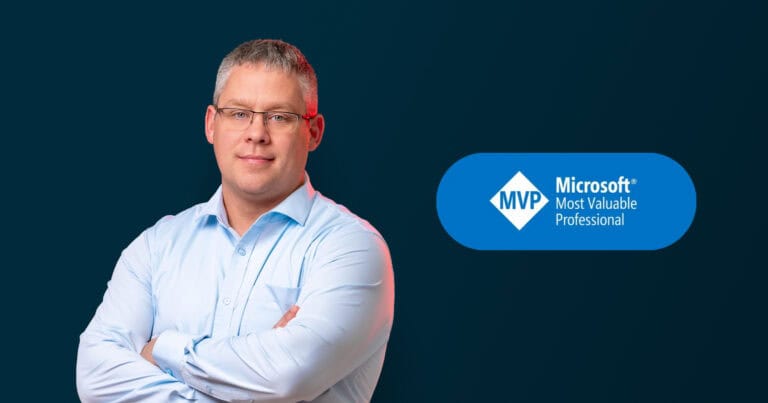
point(242, 211)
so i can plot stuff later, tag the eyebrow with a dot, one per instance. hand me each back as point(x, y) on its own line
point(240, 103)
point(245, 104)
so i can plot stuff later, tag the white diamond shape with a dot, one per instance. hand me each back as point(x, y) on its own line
point(522, 201)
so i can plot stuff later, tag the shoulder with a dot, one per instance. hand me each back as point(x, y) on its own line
point(332, 220)
point(338, 232)
point(172, 226)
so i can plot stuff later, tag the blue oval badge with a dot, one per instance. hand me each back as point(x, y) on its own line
point(568, 201)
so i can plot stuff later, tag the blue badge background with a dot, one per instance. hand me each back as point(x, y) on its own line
point(103, 135)
point(663, 191)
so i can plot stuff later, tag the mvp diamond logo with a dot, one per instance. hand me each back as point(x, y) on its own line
point(519, 200)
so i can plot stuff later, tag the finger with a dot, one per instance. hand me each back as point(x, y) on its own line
point(146, 351)
point(287, 317)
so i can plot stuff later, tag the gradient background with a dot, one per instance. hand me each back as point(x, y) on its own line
point(103, 134)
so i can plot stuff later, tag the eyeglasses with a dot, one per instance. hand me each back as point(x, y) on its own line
point(275, 122)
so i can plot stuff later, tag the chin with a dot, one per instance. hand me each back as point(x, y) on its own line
point(255, 183)
point(255, 191)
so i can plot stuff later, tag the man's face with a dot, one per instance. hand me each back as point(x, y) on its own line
point(257, 165)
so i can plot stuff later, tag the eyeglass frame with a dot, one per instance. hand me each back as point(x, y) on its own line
point(263, 113)
point(300, 116)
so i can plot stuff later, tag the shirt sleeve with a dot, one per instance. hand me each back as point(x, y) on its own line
point(345, 316)
point(109, 364)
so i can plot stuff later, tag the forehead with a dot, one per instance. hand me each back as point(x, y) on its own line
point(258, 83)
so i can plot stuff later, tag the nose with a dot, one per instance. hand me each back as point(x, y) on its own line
point(257, 131)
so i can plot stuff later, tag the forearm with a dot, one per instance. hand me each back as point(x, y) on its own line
point(109, 370)
point(109, 365)
point(330, 336)
point(345, 318)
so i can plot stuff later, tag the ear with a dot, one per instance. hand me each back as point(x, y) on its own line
point(210, 114)
point(316, 128)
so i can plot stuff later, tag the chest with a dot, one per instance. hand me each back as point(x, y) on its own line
point(220, 288)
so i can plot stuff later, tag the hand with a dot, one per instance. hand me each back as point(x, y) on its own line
point(146, 352)
point(287, 317)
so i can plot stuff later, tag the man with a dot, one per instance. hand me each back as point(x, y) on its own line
point(267, 292)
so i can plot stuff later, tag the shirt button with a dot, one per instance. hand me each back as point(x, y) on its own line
point(227, 301)
point(241, 251)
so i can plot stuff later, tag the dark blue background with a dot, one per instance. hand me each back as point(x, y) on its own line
point(103, 134)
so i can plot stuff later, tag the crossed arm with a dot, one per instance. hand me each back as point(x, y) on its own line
point(146, 352)
point(345, 316)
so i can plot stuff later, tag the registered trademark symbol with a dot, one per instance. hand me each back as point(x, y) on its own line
point(634, 181)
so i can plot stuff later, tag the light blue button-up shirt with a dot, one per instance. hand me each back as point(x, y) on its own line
point(212, 299)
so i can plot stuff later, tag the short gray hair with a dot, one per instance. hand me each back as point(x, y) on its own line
point(273, 53)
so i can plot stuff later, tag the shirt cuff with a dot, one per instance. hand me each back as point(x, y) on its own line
point(169, 351)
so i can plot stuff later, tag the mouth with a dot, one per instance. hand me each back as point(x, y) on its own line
point(255, 159)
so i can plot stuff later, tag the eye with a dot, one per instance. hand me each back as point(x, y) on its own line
point(236, 114)
point(240, 114)
point(280, 118)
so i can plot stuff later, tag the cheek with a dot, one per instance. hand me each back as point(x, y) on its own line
point(302, 142)
point(222, 143)
point(300, 150)
point(221, 150)
point(292, 147)
point(219, 158)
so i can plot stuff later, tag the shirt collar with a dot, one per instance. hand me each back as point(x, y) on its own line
point(296, 206)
